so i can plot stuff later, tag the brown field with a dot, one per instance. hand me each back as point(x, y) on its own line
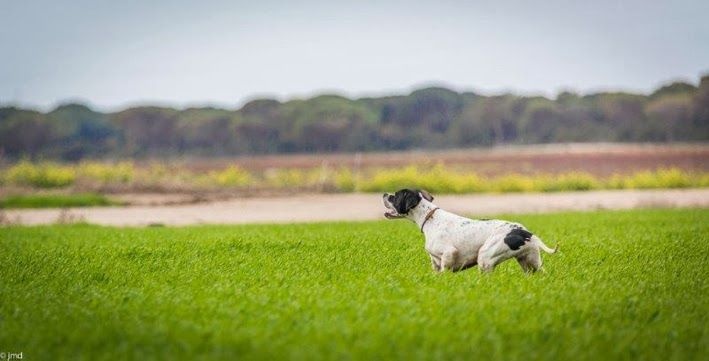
point(601, 159)
point(168, 186)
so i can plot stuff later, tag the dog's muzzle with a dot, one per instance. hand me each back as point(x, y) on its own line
point(391, 212)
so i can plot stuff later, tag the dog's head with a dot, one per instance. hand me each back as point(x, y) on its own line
point(399, 204)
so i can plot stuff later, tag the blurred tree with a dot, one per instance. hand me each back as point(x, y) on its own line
point(78, 132)
point(469, 129)
point(540, 122)
point(147, 130)
point(323, 123)
point(23, 133)
point(700, 111)
point(674, 89)
point(672, 114)
point(206, 131)
point(622, 112)
point(427, 118)
point(500, 115)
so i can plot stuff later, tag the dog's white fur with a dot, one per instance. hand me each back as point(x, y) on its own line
point(455, 243)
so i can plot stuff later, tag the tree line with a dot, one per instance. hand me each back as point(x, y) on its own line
point(430, 118)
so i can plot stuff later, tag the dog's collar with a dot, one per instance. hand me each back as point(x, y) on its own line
point(428, 216)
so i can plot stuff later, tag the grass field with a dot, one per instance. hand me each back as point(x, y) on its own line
point(627, 285)
point(55, 200)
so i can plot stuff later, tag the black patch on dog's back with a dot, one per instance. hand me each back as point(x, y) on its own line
point(516, 238)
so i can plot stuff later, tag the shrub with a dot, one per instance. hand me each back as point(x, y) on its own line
point(390, 179)
point(232, 176)
point(662, 178)
point(42, 175)
point(573, 181)
point(121, 172)
point(440, 180)
point(434, 179)
point(282, 178)
point(345, 181)
point(512, 183)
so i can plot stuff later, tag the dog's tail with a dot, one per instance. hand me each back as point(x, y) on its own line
point(544, 247)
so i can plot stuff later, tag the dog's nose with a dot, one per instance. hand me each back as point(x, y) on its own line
point(385, 195)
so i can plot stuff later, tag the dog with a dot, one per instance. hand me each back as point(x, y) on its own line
point(457, 243)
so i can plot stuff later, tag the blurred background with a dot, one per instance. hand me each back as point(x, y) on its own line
point(163, 102)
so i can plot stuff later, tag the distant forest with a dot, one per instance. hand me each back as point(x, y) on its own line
point(430, 118)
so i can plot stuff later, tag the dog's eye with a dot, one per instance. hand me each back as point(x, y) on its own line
point(391, 198)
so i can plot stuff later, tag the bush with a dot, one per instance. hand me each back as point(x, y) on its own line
point(512, 183)
point(232, 176)
point(435, 178)
point(122, 172)
point(661, 178)
point(345, 181)
point(42, 175)
point(574, 181)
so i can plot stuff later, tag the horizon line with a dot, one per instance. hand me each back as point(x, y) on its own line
point(354, 96)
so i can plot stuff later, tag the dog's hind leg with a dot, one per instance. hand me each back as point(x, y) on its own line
point(487, 263)
point(491, 254)
point(530, 261)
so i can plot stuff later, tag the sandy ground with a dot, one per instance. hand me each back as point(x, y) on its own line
point(336, 207)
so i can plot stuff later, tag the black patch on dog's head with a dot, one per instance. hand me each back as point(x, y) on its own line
point(516, 238)
point(404, 200)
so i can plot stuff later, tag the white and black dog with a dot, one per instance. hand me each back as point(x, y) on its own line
point(456, 243)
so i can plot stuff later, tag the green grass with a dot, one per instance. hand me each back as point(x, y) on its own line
point(55, 200)
point(628, 285)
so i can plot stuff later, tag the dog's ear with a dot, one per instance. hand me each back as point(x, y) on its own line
point(425, 195)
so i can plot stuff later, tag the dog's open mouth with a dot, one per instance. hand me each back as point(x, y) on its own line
point(392, 214)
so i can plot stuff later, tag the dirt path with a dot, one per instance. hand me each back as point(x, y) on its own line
point(311, 208)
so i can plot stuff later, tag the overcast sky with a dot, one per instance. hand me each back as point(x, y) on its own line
point(111, 54)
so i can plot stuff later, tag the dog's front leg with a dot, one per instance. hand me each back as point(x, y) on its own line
point(448, 259)
point(435, 263)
